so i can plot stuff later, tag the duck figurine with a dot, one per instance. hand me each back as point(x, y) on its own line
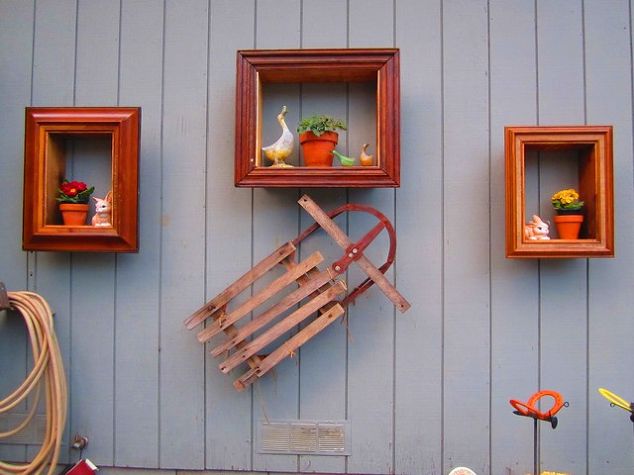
point(279, 151)
point(345, 161)
point(365, 159)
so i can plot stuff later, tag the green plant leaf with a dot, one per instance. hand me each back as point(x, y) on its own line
point(318, 124)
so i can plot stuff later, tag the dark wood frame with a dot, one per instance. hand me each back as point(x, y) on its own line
point(595, 187)
point(255, 67)
point(44, 164)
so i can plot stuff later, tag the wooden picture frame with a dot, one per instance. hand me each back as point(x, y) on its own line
point(592, 149)
point(47, 130)
point(257, 68)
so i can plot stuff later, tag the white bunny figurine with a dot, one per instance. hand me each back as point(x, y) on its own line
point(103, 211)
point(536, 230)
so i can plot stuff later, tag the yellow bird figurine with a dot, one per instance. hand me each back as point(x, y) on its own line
point(279, 151)
point(365, 159)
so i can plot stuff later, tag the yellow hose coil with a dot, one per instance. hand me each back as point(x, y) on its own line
point(47, 373)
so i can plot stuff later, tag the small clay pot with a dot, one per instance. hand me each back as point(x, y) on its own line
point(74, 214)
point(318, 149)
point(568, 225)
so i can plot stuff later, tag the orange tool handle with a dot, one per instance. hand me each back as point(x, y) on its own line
point(529, 408)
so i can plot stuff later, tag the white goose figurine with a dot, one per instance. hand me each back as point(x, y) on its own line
point(283, 147)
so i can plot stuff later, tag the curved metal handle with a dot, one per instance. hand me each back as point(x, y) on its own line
point(355, 251)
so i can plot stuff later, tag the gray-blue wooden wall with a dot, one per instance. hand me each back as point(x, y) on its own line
point(424, 391)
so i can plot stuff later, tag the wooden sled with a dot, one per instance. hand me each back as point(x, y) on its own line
point(319, 290)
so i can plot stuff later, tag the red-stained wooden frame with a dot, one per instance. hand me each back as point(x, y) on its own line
point(256, 67)
point(44, 164)
point(594, 144)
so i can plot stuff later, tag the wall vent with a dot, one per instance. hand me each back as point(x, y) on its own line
point(304, 437)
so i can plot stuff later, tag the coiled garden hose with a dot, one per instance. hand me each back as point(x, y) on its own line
point(47, 374)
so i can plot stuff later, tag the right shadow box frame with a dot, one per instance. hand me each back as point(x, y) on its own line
point(591, 149)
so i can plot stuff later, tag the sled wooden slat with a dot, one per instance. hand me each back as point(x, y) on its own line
point(302, 279)
point(345, 242)
point(231, 331)
point(310, 285)
point(254, 360)
point(239, 285)
point(282, 327)
point(287, 349)
point(273, 288)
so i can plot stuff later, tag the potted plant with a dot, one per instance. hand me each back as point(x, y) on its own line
point(73, 199)
point(569, 218)
point(319, 138)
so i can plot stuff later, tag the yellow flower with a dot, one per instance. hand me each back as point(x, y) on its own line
point(566, 196)
point(567, 199)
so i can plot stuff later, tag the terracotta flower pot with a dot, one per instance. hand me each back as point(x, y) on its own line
point(74, 214)
point(318, 149)
point(568, 225)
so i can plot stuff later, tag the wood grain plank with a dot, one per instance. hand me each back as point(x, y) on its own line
point(183, 232)
point(281, 327)
point(371, 320)
point(288, 348)
point(311, 285)
point(54, 52)
point(329, 346)
point(229, 222)
point(137, 286)
point(514, 328)
point(275, 218)
point(272, 289)
point(244, 281)
point(16, 36)
point(328, 349)
point(93, 276)
point(15, 361)
point(419, 230)
point(466, 276)
point(563, 285)
point(608, 96)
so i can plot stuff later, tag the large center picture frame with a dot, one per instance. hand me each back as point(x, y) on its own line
point(257, 69)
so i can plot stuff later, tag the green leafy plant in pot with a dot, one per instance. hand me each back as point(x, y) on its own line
point(318, 137)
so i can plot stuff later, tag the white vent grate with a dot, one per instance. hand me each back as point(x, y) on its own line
point(304, 437)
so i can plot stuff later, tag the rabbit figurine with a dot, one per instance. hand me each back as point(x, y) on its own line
point(103, 211)
point(536, 230)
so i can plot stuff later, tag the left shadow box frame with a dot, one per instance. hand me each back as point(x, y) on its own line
point(47, 161)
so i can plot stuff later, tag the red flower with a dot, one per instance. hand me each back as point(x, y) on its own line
point(73, 188)
point(74, 192)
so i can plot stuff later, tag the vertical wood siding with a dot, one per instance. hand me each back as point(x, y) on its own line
point(424, 391)
point(514, 308)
